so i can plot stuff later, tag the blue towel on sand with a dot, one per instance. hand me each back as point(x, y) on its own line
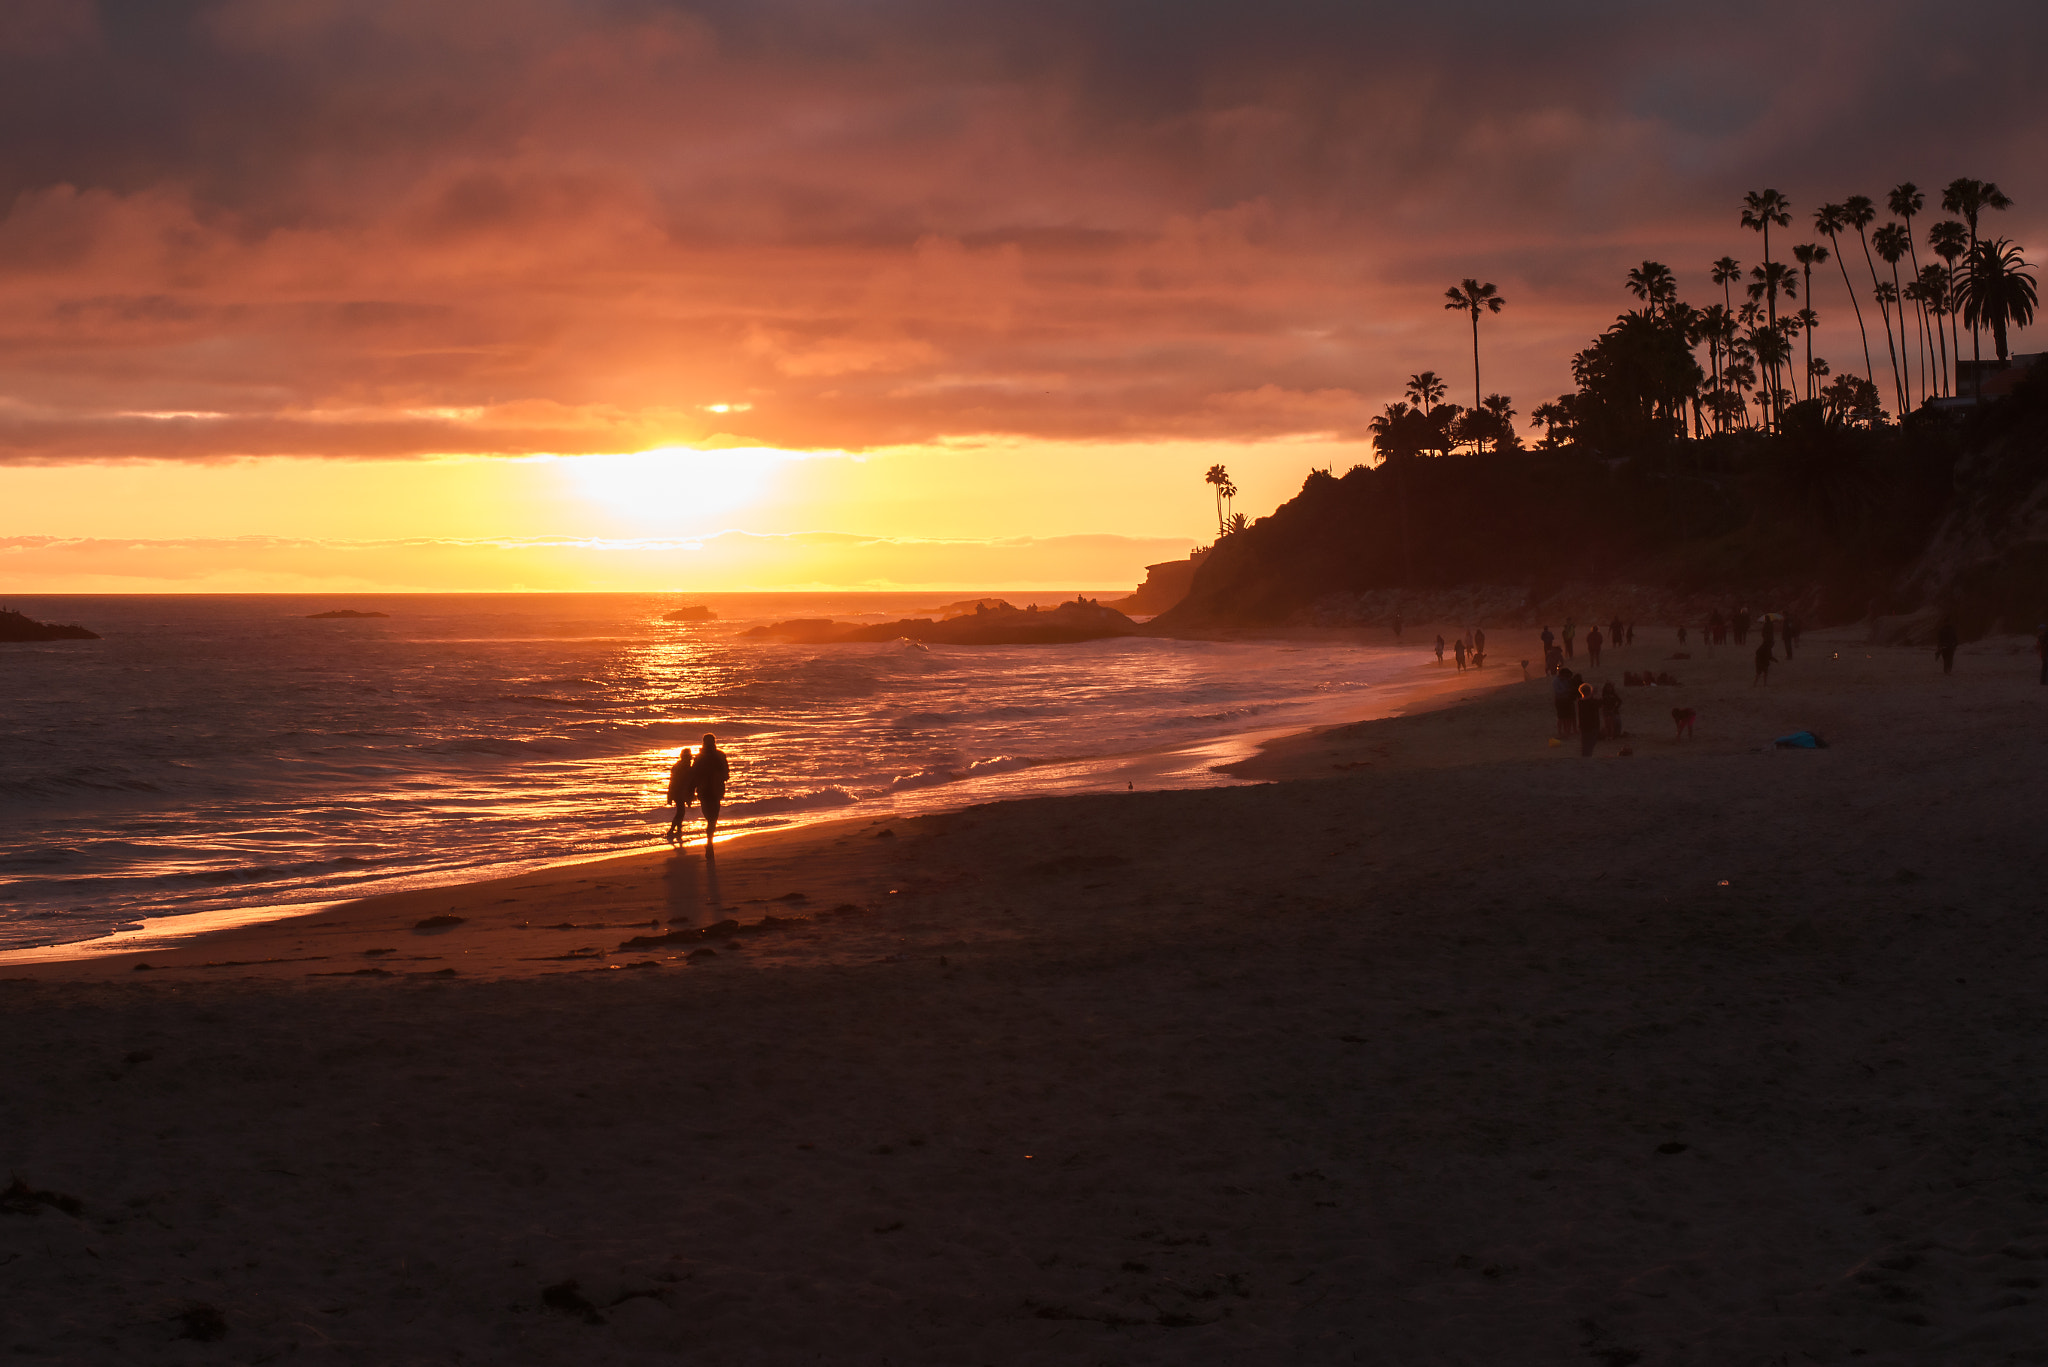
point(1800, 740)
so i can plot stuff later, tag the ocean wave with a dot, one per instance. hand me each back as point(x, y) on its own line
point(815, 800)
point(934, 775)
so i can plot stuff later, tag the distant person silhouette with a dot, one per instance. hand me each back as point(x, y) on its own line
point(1742, 626)
point(1610, 712)
point(1791, 634)
point(1769, 630)
point(1458, 649)
point(1587, 705)
point(1562, 695)
point(1593, 643)
point(709, 776)
point(1439, 647)
point(1629, 636)
point(1571, 629)
point(680, 789)
point(1715, 626)
point(1549, 642)
point(1478, 647)
point(1764, 661)
point(1681, 634)
point(1945, 645)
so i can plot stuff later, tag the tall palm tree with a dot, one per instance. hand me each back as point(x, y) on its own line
point(1761, 210)
point(1949, 241)
point(1891, 242)
point(1971, 198)
point(1809, 255)
point(1906, 200)
point(1220, 477)
point(1998, 292)
point(1654, 284)
point(1831, 219)
point(1471, 296)
point(1860, 213)
point(1767, 282)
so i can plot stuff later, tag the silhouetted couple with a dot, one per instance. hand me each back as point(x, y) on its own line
point(704, 779)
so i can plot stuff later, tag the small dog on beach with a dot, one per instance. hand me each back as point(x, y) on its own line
point(1684, 717)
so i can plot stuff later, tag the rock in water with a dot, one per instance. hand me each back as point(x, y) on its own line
point(339, 613)
point(16, 627)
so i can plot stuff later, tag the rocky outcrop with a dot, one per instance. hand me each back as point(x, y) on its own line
point(16, 627)
point(1080, 620)
point(1987, 564)
point(1165, 585)
point(694, 613)
point(340, 614)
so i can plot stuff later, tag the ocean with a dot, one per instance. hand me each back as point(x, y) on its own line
point(228, 754)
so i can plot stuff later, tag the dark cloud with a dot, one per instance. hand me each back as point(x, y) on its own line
point(896, 221)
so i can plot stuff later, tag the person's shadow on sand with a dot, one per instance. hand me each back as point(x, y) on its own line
point(690, 889)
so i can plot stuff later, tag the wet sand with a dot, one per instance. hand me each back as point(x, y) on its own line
point(1445, 1046)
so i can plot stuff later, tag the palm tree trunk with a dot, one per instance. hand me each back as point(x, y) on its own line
point(1906, 370)
point(1926, 337)
point(1808, 330)
point(1885, 309)
point(1475, 360)
point(1861, 330)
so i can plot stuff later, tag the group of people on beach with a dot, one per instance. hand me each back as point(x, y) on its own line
point(703, 778)
point(1469, 647)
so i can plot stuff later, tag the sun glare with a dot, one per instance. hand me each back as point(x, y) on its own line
point(674, 486)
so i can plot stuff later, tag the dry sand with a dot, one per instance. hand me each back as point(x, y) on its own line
point(1452, 1047)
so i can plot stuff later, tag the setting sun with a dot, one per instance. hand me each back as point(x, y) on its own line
point(674, 488)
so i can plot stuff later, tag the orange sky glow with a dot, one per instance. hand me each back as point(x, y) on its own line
point(315, 294)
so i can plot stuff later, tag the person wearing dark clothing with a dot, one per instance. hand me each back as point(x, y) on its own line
point(680, 791)
point(1945, 645)
point(1588, 707)
point(1478, 647)
point(1571, 629)
point(1769, 630)
point(1742, 620)
point(1594, 640)
point(1562, 696)
point(1439, 647)
point(1610, 712)
point(1764, 661)
point(709, 775)
point(1681, 634)
point(1548, 641)
point(1614, 630)
point(1458, 649)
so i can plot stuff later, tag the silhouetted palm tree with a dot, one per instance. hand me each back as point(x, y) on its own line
point(1471, 296)
point(1931, 289)
point(1950, 241)
point(1831, 219)
point(1892, 241)
point(1971, 198)
point(1220, 478)
point(1761, 210)
point(1654, 284)
point(1767, 282)
point(1860, 213)
point(1906, 200)
point(1998, 292)
point(1426, 390)
point(1809, 255)
point(1715, 326)
point(1726, 272)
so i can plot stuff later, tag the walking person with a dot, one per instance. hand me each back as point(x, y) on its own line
point(1610, 712)
point(1458, 649)
point(709, 776)
point(1593, 643)
point(1945, 645)
point(1439, 647)
point(680, 791)
point(1764, 661)
point(1478, 646)
point(1571, 629)
point(1588, 707)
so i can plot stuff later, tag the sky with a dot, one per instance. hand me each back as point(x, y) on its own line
point(415, 294)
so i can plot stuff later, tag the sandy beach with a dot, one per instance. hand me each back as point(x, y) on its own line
point(1438, 1045)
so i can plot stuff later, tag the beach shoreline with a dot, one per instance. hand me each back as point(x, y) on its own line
point(1435, 1042)
point(267, 939)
